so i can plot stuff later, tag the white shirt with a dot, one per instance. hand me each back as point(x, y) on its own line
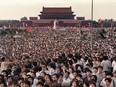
point(51, 71)
point(39, 73)
point(3, 66)
point(106, 64)
point(66, 82)
point(114, 66)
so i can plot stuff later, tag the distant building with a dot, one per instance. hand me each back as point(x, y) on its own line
point(33, 18)
point(57, 13)
point(63, 15)
point(80, 18)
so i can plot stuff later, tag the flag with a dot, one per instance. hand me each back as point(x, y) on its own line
point(71, 29)
point(28, 29)
point(108, 30)
point(99, 21)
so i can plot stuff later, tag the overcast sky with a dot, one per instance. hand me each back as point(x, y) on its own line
point(15, 9)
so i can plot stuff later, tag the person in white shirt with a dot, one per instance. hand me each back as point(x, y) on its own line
point(51, 70)
point(106, 64)
point(95, 70)
point(44, 69)
point(5, 63)
point(99, 74)
point(108, 82)
point(114, 65)
point(66, 80)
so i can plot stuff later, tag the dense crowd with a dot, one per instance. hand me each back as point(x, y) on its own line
point(58, 58)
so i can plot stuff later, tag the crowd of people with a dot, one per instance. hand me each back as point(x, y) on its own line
point(57, 58)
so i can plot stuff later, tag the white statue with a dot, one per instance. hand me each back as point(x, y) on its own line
point(54, 27)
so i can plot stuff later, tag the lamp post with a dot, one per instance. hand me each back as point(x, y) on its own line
point(91, 12)
point(91, 24)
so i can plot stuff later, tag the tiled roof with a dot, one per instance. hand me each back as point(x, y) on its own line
point(56, 9)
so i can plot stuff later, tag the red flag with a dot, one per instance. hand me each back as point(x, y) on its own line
point(28, 29)
point(72, 30)
point(108, 30)
point(99, 21)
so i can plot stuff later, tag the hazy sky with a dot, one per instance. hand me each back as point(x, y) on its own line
point(15, 9)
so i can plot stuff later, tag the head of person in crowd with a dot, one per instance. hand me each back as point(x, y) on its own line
point(41, 79)
point(16, 77)
point(92, 84)
point(55, 77)
point(77, 56)
point(74, 83)
point(2, 83)
point(109, 75)
point(66, 74)
point(75, 73)
point(2, 77)
point(9, 80)
point(3, 59)
point(37, 68)
point(4, 73)
point(25, 83)
point(70, 56)
point(95, 70)
point(105, 73)
point(59, 70)
point(43, 74)
point(33, 74)
point(48, 80)
point(88, 66)
point(108, 82)
point(24, 73)
point(43, 67)
point(39, 84)
point(71, 70)
point(51, 65)
point(114, 74)
point(74, 60)
point(100, 69)
point(70, 63)
point(31, 80)
point(20, 81)
point(79, 67)
point(88, 73)
point(86, 84)
point(94, 78)
point(105, 57)
point(60, 80)
point(34, 63)
point(80, 79)
point(55, 84)
point(94, 59)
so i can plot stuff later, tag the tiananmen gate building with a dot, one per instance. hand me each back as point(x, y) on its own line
point(63, 15)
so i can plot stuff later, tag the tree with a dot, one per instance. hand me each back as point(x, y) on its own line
point(24, 18)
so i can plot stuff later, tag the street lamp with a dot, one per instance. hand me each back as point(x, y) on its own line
point(91, 12)
point(91, 23)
